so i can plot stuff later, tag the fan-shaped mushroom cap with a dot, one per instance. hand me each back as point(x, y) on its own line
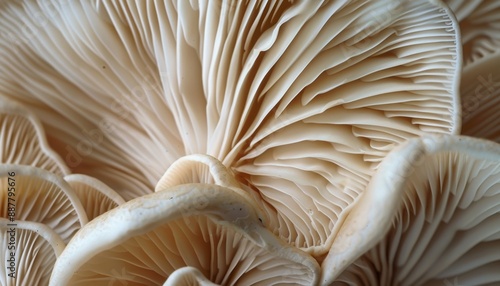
point(334, 103)
point(23, 140)
point(208, 227)
point(36, 249)
point(446, 228)
point(42, 197)
point(95, 196)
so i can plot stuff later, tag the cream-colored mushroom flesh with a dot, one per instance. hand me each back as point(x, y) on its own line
point(23, 140)
point(301, 99)
point(197, 168)
point(42, 197)
point(95, 196)
point(208, 227)
point(28, 251)
point(356, 79)
point(446, 231)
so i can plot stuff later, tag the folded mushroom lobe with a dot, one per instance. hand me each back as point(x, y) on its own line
point(29, 251)
point(333, 104)
point(446, 229)
point(204, 226)
point(197, 168)
point(41, 197)
point(95, 196)
point(23, 140)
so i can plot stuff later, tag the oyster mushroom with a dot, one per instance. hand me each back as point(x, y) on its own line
point(238, 81)
point(149, 238)
point(446, 228)
point(334, 104)
point(177, 82)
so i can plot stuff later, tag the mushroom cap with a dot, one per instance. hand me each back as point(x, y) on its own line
point(205, 226)
point(42, 197)
point(95, 196)
point(23, 140)
point(330, 105)
point(446, 228)
point(36, 250)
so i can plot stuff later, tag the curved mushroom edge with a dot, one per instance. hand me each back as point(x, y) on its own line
point(95, 196)
point(374, 212)
point(10, 108)
point(222, 205)
point(15, 172)
point(208, 168)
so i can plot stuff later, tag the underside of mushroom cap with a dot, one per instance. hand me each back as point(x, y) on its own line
point(34, 248)
point(328, 106)
point(95, 196)
point(446, 229)
point(222, 77)
point(205, 226)
point(479, 28)
point(100, 99)
point(23, 140)
point(42, 197)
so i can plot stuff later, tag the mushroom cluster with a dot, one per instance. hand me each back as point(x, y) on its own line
point(228, 142)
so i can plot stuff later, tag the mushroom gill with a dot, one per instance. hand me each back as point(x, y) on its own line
point(36, 250)
point(205, 226)
point(446, 229)
point(23, 140)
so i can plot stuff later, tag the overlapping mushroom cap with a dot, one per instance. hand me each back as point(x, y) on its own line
point(35, 252)
point(195, 232)
point(39, 210)
point(446, 229)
